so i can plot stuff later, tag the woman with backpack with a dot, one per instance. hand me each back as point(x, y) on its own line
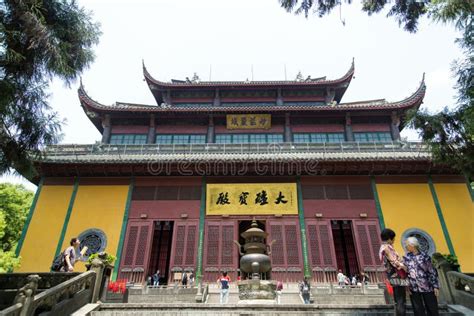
point(70, 255)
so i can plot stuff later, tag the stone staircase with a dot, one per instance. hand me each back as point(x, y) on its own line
point(326, 300)
point(257, 310)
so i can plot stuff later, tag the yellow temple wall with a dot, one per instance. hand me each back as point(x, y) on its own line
point(95, 206)
point(101, 207)
point(410, 205)
point(458, 212)
point(43, 233)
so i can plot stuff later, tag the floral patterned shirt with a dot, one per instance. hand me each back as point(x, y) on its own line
point(422, 276)
point(392, 262)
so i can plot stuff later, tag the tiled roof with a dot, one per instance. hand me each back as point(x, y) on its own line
point(221, 84)
point(250, 153)
point(413, 100)
point(213, 157)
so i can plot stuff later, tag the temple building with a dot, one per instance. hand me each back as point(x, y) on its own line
point(172, 185)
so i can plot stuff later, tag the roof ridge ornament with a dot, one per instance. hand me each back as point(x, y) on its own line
point(165, 105)
point(195, 78)
point(299, 77)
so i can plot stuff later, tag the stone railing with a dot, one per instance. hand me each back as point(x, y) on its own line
point(462, 288)
point(66, 297)
point(52, 293)
point(131, 151)
point(455, 287)
point(61, 299)
point(11, 282)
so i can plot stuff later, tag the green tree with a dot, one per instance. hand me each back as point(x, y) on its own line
point(15, 202)
point(450, 132)
point(39, 40)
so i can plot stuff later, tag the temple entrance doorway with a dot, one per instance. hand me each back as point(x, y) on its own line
point(346, 253)
point(243, 226)
point(161, 249)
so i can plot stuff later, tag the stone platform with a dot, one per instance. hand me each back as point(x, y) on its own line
point(249, 310)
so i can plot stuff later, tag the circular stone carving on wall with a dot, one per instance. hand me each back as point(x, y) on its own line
point(94, 239)
point(427, 244)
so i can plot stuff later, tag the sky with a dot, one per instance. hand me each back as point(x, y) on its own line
point(226, 39)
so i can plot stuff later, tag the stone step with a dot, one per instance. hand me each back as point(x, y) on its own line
point(287, 298)
point(162, 295)
point(257, 310)
point(355, 299)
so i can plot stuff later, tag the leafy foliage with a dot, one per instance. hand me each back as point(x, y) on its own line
point(8, 261)
point(406, 13)
point(450, 132)
point(39, 40)
point(15, 202)
point(451, 259)
point(109, 259)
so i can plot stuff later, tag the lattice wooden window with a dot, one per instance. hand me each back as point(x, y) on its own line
point(190, 245)
point(336, 192)
point(278, 255)
point(326, 244)
point(190, 193)
point(167, 193)
point(143, 193)
point(179, 244)
point(360, 192)
point(142, 245)
point(364, 245)
point(375, 239)
point(313, 192)
point(131, 245)
point(212, 245)
point(314, 245)
point(227, 245)
point(292, 245)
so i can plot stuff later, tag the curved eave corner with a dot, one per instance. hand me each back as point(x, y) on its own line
point(153, 84)
point(345, 81)
point(90, 107)
point(412, 102)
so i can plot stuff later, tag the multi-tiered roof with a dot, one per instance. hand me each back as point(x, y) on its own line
point(192, 100)
point(193, 96)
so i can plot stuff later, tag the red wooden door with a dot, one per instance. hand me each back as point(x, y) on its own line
point(220, 252)
point(322, 256)
point(286, 256)
point(367, 237)
point(184, 249)
point(136, 251)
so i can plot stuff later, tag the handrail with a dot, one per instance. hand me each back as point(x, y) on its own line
point(378, 148)
point(66, 289)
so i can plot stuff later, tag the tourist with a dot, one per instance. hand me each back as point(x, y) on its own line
point(279, 289)
point(364, 278)
point(395, 269)
point(156, 278)
point(422, 278)
point(354, 280)
point(184, 280)
point(305, 290)
point(191, 279)
point(341, 278)
point(224, 281)
point(70, 255)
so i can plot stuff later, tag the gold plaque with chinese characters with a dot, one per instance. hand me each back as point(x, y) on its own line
point(251, 199)
point(249, 121)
